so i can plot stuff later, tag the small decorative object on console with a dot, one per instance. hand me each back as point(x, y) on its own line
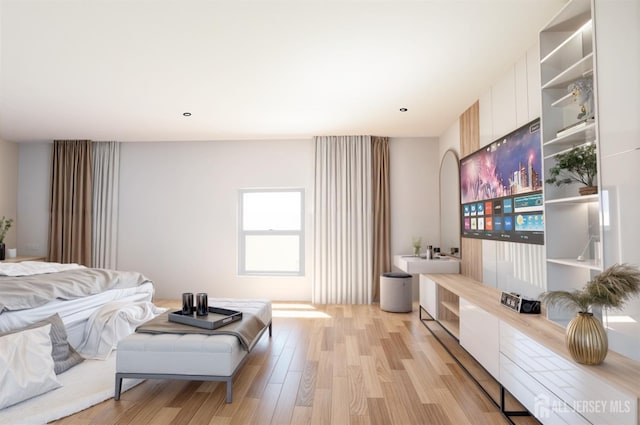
point(187, 303)
point(5, 225)
point(586, 336)
point(517, 303)
point(202, 304)
point(582, 93)
point(416, 242)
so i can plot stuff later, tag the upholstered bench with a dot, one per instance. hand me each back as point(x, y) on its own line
point(189, 356)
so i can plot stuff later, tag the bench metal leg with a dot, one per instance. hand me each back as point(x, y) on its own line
point(118, 386)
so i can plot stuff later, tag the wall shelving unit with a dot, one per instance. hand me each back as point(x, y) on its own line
point(572, 223)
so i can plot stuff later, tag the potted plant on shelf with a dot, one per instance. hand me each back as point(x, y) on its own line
point(416, 242)
point(585, 336)
point(579, 165)
point(5, 225)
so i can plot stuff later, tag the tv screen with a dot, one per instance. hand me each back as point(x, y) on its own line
point(501, 189)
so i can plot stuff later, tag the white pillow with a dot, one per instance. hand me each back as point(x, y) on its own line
point(26, 365)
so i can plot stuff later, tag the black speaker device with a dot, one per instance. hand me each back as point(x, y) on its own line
point(517, 303)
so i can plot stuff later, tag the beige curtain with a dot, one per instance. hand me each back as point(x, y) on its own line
point(381, 211)
point(106, 186)
point(342, 220)
point(71, 203)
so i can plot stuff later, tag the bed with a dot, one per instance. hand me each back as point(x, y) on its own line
point(72, 291)
point(86, 311)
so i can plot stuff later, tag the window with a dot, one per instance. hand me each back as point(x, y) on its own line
point(271, 236)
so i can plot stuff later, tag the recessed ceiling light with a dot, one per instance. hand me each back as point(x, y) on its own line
point(186, 114)
point(403, 109)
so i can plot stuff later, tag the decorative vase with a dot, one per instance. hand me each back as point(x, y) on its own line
point(586, 339)
point(416, 251)
point(588, 190)
point(1, 251)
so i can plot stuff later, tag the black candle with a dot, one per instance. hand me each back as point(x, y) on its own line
point(202, 304)
point(187, 303)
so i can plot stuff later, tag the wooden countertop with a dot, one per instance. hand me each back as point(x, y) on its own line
point(619, 370)
point(22, 258)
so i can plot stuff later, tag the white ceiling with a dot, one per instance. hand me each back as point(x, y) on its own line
point(126, 70)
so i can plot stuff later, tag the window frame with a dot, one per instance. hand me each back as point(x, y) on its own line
point(242, 234)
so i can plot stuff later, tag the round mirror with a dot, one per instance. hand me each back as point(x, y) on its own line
point(450, 204)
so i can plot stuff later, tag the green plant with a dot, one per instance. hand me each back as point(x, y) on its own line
point(416, 242)
point(579, 165)
point(611, 288)
point(5, 225)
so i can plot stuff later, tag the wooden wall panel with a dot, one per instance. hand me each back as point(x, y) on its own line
point(471, 249)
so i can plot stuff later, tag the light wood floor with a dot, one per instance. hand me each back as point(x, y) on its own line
point(335, 364)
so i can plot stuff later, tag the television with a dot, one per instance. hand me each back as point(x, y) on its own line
point(501, 189)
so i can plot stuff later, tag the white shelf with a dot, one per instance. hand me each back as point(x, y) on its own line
point(565, 100)
point(572, 262)
point(572, 16)
point(574, 200)
point(580, 136)
point(565, 150)
point(580, 69)
point(559, 152)
point(555, 53)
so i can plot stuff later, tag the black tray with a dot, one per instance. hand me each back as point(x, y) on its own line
point(216, 318)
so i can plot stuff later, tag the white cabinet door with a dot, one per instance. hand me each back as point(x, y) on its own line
point(428, 296)
point(621, 202)
point(538, 400)
point(570, 383)
point(480, 336)
point(618, 101)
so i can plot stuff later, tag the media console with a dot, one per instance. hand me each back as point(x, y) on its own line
point(526, 354)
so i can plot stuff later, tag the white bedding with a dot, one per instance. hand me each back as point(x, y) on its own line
point(36, 290)
point(30, 268)
point(76, 312)
point(112, 322)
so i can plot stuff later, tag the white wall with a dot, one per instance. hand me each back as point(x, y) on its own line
point(414, 193)
point(414, 167)
point(510, 102)
point(178, 213)
point(34, 197)
point(450, 139)
point(9, 188)
point(178, 208)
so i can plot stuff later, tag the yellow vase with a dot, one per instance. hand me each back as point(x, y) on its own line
point(586, 339)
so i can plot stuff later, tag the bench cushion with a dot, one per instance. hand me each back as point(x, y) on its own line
point(190, 354)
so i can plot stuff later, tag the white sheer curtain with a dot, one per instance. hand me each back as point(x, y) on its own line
point(106, 181)
point(343, 230)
